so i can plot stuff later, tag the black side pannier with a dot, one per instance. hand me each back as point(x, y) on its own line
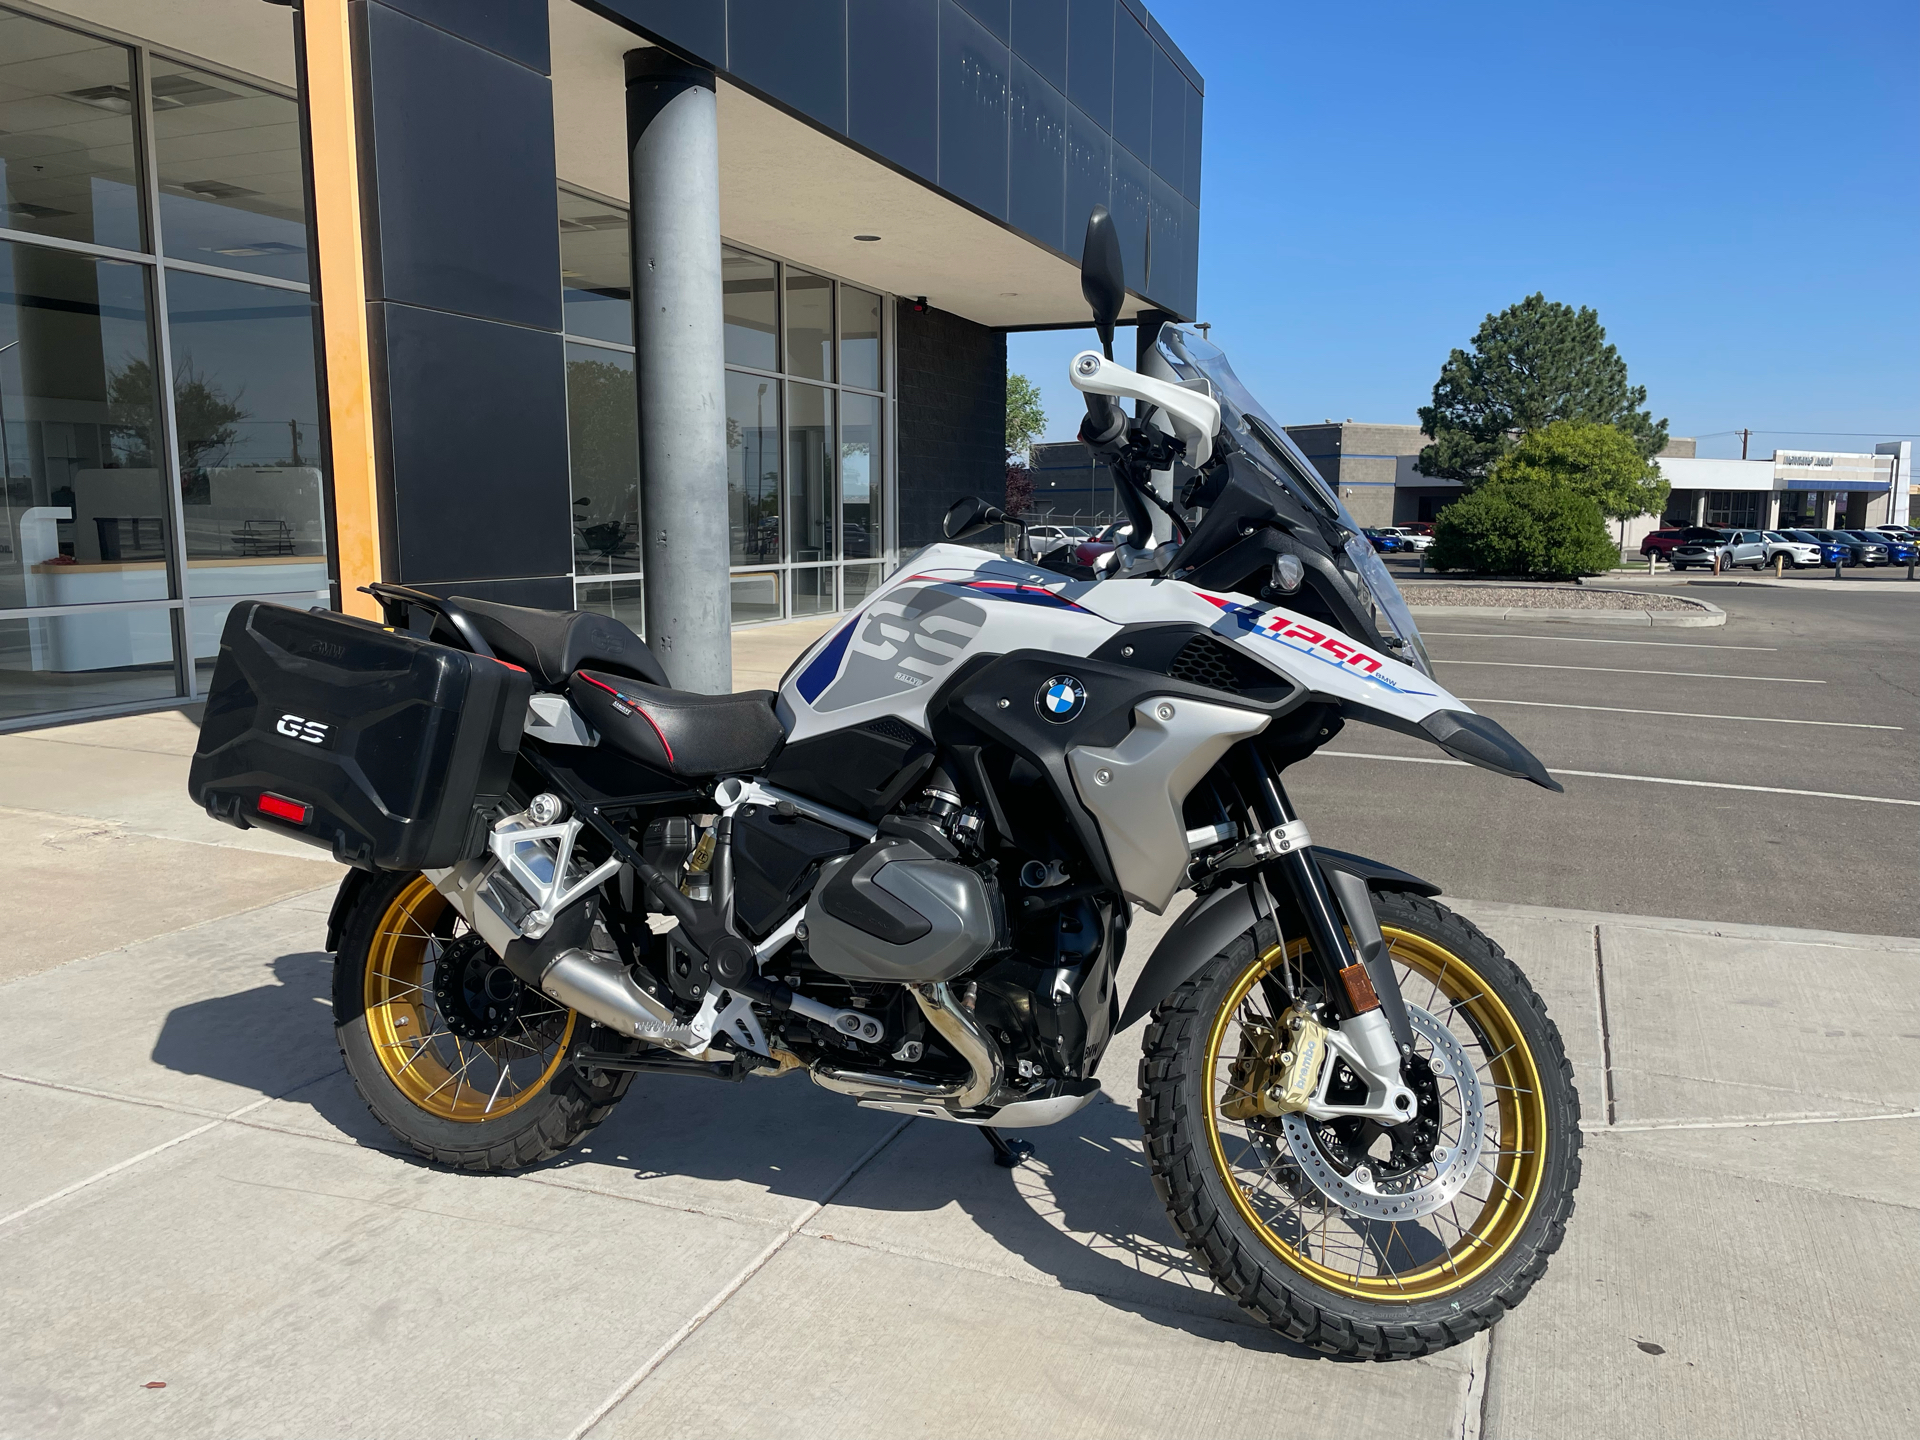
point(385, 749)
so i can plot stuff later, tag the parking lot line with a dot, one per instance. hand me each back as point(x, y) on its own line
point(1680, 714)
point(1642, 779)
point(1590, 640)
point(1617, 670)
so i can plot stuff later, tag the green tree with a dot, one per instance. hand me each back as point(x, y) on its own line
point(1543, 531)
point(208, 420)
point(1026, 421)
point(1599, 461)
point(1532, 364)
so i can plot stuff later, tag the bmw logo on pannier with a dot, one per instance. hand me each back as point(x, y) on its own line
point(1061, 698)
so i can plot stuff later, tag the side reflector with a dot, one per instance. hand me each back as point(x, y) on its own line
point(281, 808)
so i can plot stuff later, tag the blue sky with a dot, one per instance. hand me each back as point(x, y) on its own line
point(1735, 188)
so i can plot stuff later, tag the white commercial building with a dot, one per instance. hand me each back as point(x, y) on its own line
point(1819, 489)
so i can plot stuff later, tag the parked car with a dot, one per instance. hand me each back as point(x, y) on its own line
point(1905, 532)
point(1859, 551)
point(1832, 552)
point(1798, 552)
point(1045, 539)
point(1419, 527)
point(1732, 548)
point(1089, 551)
point(1385, 540)
point(1899, 549)
point(1664, 542)
point(1413, 539)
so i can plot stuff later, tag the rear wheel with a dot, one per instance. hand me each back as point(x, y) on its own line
point(1353, 1238)
point(465, 1064)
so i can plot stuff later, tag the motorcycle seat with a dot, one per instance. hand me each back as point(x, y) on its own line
point(551, 644)
point(695, 736)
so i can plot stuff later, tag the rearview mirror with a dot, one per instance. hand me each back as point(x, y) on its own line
point(1103, 274)
point(968, 515)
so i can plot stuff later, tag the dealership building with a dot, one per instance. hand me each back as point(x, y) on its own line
point(533, 300)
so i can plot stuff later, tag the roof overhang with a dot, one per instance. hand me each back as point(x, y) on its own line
point(798, 192)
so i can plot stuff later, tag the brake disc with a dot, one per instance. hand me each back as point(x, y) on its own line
point(1354, 1187)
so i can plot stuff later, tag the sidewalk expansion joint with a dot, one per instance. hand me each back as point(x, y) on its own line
point(1606, 1034)
point(732, 1287)
point(1755, 1122)
point(131, 1161)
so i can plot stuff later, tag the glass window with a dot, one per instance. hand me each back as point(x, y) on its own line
point(748, 291)
point(810, 472)
point(85, 516)
point(861, 581)
point(619, 598)
point(603, 445)
point(753, 471)
point(228, 158)
point(809, 325)
point(861, 532)
point(248, 415)
point(596, 282)
point(67, 662)
point(756, 596)
point(66, 135)
point(813, 590)
point(859, 338)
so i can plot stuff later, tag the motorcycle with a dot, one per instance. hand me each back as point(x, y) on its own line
point(910, 874)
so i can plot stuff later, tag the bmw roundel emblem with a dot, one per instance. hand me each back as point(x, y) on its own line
point(1061, 698)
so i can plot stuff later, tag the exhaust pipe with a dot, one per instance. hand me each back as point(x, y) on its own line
point(960, 1030)
point(600, 988)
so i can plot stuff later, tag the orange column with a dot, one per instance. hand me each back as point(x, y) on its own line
point(343, 299)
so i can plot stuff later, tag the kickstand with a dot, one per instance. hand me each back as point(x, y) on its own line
point(1007, 1153)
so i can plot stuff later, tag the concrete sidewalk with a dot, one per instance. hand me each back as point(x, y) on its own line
point(195, 1196)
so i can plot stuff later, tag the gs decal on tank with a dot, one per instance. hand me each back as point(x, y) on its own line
point(900, 643)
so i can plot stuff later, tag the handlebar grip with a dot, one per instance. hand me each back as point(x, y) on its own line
point(1106, 421)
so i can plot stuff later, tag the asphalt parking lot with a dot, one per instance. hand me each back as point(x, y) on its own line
point(1802, 705)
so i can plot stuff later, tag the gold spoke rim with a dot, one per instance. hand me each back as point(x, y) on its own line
point(1375, 1260)
point(468, 1081)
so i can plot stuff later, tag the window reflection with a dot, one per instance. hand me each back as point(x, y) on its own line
point(66, 135)
point(622, 599)
point(809, 325)
point(813, 590)
point(859, 338)
point(810, 472)
point(66, 662)
point(247, 414)
point(753, 471)
point(603, 437)
point(596, 283)
point(748, 288)
point(228, 157)
point(85, 513)
point(860, 488)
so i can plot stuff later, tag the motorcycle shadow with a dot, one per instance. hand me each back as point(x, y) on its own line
point(1080, 1215)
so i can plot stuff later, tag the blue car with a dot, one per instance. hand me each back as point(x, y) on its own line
point(1385, 541)
point(1832, 552)
point(1900, 550)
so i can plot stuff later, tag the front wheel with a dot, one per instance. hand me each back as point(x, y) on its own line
point(1350, 1237)
point(463, 1063)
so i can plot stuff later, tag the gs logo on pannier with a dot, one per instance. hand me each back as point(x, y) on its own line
point(297, 728)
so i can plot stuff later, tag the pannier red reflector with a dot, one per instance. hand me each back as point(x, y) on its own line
point(282, 808)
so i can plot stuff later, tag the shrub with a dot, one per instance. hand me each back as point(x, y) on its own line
point(1599, 461)
point(1543, 531)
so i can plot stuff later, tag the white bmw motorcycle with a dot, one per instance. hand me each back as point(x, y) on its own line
point(911, 873)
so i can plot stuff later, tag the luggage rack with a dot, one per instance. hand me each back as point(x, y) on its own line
point(398, 602)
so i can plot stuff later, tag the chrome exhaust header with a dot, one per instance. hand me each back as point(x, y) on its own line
point(960, 1030)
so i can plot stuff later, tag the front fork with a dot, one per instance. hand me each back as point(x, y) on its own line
point(1360, 980)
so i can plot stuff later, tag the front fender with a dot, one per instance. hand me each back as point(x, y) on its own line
point(1207, 928)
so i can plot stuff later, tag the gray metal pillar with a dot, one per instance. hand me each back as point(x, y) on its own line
point(673, 138)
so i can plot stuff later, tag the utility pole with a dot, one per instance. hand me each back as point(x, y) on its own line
point(1744, 434)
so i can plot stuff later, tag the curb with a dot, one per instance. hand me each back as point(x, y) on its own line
point(1706, 613)
point(1710, 615)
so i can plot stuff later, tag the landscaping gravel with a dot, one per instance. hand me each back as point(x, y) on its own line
point(1542, 597)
